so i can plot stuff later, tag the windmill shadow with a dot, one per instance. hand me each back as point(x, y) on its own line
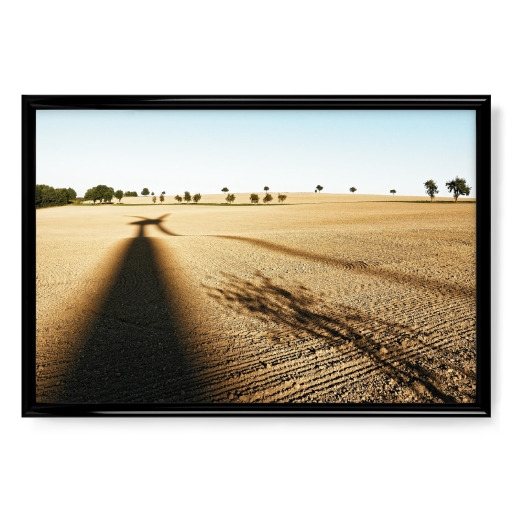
point(158, 223)
point(135, 349)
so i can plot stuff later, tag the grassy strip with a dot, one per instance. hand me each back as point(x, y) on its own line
point(52, 206)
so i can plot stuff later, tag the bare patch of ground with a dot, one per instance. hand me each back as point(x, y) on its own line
point(322, 302)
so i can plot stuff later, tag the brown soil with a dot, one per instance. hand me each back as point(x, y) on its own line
point(322, 302)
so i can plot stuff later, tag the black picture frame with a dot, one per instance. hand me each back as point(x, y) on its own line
point(481, 104)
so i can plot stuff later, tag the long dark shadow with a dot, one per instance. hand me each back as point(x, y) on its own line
point(360, 267)
point(135, 351)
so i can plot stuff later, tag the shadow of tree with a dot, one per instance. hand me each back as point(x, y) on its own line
point(390, 348)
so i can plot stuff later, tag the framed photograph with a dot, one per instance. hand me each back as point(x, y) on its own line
point(256, 255)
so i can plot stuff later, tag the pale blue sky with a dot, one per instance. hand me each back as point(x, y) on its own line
point(245, 150)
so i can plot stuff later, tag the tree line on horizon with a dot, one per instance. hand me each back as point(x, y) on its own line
point(49, 196)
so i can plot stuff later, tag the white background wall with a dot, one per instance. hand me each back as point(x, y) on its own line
point(264, 47)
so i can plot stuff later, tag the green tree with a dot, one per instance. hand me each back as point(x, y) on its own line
point(392, 191)
point(119, 195)
point(163, 193)
point(458, 187)
point(178, 198)
point(197, 198)
point(95, 193)
point(267, 198)
point(353, 189)
point(71, 194)
point(187, 197)
point(49, 196)
point(154, 199)
point(90, 195)
point(145, 192)
point(225, 189)
point(255, 198)
point(266, 189)
point(61, 195)
point(152, 193)
point(431, 189)
point(230, 198)
point(130, 194)
point(99, 193)
point(162, 198)
point(319, 188)
point(107, 193)
point(282, 197)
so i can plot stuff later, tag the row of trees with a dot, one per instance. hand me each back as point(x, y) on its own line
point(187, 197)
point(457, 187)
point(49, 196)
point(255, 198)
point(103, 193)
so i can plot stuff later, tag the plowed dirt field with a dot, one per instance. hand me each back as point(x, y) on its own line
point(324, 299)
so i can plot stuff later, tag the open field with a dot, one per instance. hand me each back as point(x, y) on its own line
point(319, 301)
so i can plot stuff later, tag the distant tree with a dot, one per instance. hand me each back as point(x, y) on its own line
point(225, 189)
point(197, 198)
point(62, 195)
point(255, 198)
point(187, 197)
point(162, 198)
point(267, 198)
point(154, 199)
point(319, 188)
point(99, 193)
point(131, 194)
point(145, 192)
point(282, 197)
point(392, 191)
point(163, 193)
point(178, 198)
point(108, 194)
point(152, 193)
point(71, 194)
point(90, 196)
point(266, 189)
point(459, 187)
point(431, 189)
point(353, 189)
point(230, 198)
point(119, 195)
point(316, 191)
